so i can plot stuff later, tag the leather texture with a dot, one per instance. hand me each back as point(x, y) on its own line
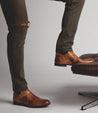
point(70, 59)
point(27, 98)
point(90, 69)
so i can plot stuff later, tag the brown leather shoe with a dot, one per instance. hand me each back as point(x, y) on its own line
point(69, 59)
point(27, 98)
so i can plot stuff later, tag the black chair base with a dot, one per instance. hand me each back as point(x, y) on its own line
point(92, 103)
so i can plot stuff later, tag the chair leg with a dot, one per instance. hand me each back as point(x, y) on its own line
point(91, 95)
point(90, 104)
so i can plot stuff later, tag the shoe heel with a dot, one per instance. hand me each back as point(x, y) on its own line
point(16, 103)
point(62, 65)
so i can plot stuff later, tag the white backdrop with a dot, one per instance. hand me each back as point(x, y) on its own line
point(45, 79)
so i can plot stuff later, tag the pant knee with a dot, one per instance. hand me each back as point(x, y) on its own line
point(18, 29)
point(21, 26)
point(17, 34)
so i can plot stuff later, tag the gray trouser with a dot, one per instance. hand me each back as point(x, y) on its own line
point(17, 21)
point(70, 21)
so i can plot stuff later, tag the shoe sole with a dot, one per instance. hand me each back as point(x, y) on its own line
point(63, 65)
point(21, 104)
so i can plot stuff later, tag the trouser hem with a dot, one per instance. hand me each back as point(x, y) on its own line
point(20, 89)
point(64, 51)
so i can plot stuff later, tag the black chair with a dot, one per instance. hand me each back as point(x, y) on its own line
point(90, 69)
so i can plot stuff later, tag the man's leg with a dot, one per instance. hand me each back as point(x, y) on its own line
point(70, 20)
point(16, 17)
point(64, 53)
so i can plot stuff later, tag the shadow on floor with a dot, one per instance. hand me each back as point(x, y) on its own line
point(68, 95)
point(3, 100)
point(62, 95)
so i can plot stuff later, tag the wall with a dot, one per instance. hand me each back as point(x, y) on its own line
point(45, 24)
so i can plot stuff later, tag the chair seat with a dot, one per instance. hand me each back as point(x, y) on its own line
point(90, 69)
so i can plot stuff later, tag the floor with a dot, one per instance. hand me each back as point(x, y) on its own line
point(64, 99)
